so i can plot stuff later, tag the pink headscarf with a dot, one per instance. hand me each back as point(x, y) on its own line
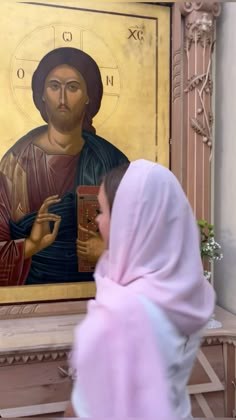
point(154, 246)
point(154, 252)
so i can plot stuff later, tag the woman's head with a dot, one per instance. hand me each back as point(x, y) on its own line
point(154, 245)
point(112, 181)
point(106, 196)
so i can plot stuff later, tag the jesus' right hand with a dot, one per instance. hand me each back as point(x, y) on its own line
point(41, 236)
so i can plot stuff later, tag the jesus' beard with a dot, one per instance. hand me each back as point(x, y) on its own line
point(67, 122)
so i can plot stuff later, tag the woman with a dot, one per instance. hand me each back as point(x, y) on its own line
point(135, 350)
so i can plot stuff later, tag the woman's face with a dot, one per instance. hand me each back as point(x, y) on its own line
point(104, 216)
point(65, 96)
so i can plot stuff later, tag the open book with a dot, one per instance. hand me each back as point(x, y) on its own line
point(87, 210)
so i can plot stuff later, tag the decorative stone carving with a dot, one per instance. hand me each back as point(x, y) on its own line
point(10, 311)
point(176, 75)
point(200, 33)
point(29, 310)
point(192, 135)
point(209, 6)
point(30, 357)
point(219, 340)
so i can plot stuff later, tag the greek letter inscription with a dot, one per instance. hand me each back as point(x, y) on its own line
point(67, 36)
point(136, 33)
point(20, 73)
point(109, 80)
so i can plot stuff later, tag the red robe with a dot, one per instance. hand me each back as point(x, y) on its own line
point(24, 185)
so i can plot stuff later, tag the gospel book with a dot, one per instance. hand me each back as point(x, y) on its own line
point(87, 210)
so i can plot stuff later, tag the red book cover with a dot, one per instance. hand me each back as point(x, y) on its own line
point(87, 210)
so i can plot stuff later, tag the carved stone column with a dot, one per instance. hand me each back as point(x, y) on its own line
point(192, 95)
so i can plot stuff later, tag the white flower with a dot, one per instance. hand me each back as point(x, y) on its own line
point(207, 275)
point(210, 249)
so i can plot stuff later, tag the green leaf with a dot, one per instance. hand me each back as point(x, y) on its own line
point(202, 223)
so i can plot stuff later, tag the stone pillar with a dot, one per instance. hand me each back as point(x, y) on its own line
point(192, 119)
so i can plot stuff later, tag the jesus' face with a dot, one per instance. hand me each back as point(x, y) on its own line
point(65, 96)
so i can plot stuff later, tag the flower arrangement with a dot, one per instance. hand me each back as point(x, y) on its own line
point(210, 249)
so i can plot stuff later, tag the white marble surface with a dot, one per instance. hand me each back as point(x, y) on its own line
point(52, 332)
